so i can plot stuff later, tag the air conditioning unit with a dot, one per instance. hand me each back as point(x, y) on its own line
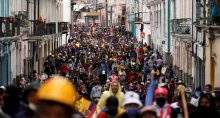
point(163, 42)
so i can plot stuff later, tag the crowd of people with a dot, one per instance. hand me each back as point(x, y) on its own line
point(105, 73)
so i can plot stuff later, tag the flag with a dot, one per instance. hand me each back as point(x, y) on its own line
point(92, 109)
point(150, 92)
point(88, 105)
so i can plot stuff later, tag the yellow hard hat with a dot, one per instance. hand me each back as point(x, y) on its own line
point(58, 89)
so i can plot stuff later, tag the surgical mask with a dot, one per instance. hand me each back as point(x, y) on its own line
point(160, 101)
point(132, 112)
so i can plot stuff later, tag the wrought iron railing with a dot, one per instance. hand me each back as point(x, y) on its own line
point(51, 28)
point(9, 26)
point(62, 27)
point(181, 26)
point(39, 28)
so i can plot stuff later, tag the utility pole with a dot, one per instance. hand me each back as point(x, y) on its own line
point(168, 29)
point(106, 13)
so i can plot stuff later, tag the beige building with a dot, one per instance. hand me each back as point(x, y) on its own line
point(212, 54)
point(207, 41)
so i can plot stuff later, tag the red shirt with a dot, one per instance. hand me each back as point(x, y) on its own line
point(64, 69)
point(140, 50)
point(102, 115)
point(132, 76)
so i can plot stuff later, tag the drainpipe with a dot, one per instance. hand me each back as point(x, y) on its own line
point(192, 26)
point(9, 64)
point(34, 17)
point(192, 29)
point(106, 13)
point(1, 48)
point(27, 8)
point(38, 8)
point(168, 25)
point(111, 16)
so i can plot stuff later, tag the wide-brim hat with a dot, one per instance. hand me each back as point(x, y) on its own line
point(135, 101)
point(132, 98)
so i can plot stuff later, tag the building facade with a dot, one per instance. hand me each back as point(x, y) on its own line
point(194, 33)
point(181, 33)
point(29, 31)
point(207, 39)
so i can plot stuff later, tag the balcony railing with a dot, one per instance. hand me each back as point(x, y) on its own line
point(63, 27)
point(39, 28)
point(9, 27)
point(51, 28)
point(181, 26)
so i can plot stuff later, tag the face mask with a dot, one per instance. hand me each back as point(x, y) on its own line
point(161, 101)
point(132, 112)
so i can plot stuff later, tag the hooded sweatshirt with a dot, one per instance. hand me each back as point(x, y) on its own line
point(106, 94)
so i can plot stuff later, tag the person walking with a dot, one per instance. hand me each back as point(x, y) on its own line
point(161, 104)
point(56, 99)
point(131, 104)
point(96, 91)
point(112, 109)
point(114, 90)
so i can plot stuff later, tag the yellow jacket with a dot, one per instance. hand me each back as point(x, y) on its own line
point(155, 72)
point(82, 105)
point(106, 94)
point(120, 111)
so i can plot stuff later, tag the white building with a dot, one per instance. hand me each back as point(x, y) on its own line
point(34, 43)
point(158, 18)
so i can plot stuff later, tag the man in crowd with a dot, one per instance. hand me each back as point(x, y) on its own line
point(111, 109)
point(56, 99)
point(96, 91)
point(131, 104)
point(114, 90)
point(161, 105)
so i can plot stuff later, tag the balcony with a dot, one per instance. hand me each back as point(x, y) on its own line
point(153, 2)
point(9, 26)
point(181, 26)
point(39, 28)
point(50, 28)
point(63, 27)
